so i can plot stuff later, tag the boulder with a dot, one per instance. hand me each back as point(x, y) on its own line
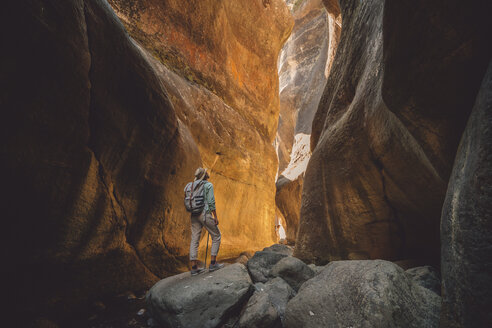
point(260, 264)
point(279, 292)
point(280, 248)
point(293, 271)
point(466, 223)
point(387, 128)
point(370, 293)
point(427, 277)
point(205, 300)
point(266, 308)
point(259, 313)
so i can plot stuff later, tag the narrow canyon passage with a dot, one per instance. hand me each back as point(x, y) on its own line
point(348, 144)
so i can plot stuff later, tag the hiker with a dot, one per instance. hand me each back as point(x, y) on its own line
point(200, 201)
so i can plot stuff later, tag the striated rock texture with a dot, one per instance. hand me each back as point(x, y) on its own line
point(304, 66)
point(382, 152)
point(466, 223)
point(229, 49)
point(362, 294)
point(99, 139)
point(93, 159)
point(242, 163)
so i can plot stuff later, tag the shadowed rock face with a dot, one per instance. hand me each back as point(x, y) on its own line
point(466, 223)
point(304, 63)
point(378, 174)
point(92, 151)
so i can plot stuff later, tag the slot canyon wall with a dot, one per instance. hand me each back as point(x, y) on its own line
point(101, 134)
point(466, 224)
point(400, 90)
point(218, 63)
point(304, 66)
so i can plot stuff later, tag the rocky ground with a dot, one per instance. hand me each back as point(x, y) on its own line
point(275, 289)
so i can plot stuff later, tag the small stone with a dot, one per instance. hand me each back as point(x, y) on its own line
point(311, 313)
point(92, 317)
point(130, 296)
point(151, 322)
point(98, 306)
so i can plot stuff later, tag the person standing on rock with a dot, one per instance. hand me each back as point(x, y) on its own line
point(200, 201)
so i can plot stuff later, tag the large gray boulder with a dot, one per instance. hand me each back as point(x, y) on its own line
point(293, 271)
point(466, 223)
point(260, 264)
point(363, 294)
point(427, 277)
point(279, 248)
point(206, 300)
point(260, 312)
point(266, 308)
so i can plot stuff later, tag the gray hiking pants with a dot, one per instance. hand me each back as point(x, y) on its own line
point(197, 223)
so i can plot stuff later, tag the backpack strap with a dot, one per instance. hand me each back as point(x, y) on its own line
point(191, 196)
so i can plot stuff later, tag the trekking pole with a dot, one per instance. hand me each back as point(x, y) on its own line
point(206, 249)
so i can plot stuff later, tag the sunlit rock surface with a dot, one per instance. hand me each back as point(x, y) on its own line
point(100, 139)
point(93, 159)
point(304, 65)
point(230, 47)
point(242, 163)
point(387, 129)
point(220, 71)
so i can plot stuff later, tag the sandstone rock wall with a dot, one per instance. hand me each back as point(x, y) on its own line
point(242, 163)
point(230, 47)
point(466, 223)
point(304, 65)
point(382, 154)
point(92, 157)
point(100, 139)
point(220, 69)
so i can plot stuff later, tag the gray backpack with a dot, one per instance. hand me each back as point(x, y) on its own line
point(194, 199)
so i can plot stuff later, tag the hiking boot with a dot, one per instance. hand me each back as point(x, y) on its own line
point(196, 271)
point(216, 266)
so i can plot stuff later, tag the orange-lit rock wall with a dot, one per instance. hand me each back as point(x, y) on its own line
point(99, 139)
point(218, 62)
point(230, 47)
point(242, 163)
